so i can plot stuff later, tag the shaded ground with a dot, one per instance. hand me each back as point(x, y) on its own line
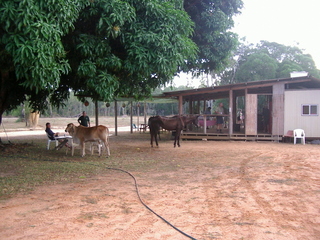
point(207, 189)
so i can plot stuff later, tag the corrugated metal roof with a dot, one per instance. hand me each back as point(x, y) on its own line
point(257, 87)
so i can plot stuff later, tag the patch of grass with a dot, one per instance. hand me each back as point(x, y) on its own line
point(91, 200)
point(125, 209)
point(21, 171)
point(92, 215)
point(26, 166)
point(243, 223)
point(287, 181)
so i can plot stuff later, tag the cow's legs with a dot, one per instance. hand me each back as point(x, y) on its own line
point(106, 144)
point(83, 148)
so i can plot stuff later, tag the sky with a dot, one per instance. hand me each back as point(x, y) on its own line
point(288, 22)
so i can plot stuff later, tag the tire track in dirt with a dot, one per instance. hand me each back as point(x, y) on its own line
point(220, 205)
point(239, 192)
point(304, 168)
point(286, 218)
point(128, 232)
point(263, 205)
point(233, 190)
point(279, 218)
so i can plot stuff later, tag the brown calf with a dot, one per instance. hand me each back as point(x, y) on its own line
point(82, 134)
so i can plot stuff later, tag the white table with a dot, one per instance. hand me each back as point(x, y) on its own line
point(65, 140)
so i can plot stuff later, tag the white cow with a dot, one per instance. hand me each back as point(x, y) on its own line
point(82, 134)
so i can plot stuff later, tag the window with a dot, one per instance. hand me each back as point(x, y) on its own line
point(309, 109)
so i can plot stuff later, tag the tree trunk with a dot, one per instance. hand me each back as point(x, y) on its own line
point(3, 96)
point(34, 119)
point(3, 93)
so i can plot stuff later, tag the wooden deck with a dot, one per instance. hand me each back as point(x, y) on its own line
point(213, 135)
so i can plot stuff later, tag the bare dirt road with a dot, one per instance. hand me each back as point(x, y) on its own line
point(207, 189)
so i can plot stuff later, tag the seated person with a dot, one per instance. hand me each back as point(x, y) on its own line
point(52, 135)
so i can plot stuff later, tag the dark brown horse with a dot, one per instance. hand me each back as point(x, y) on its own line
point(175, 123)
point(154, 124)
point(189, 119)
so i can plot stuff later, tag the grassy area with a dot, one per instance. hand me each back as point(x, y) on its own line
point(26, 164)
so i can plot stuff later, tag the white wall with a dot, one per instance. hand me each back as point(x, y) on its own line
point(293, 119)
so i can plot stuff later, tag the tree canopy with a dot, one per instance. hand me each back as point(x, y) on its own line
point(32, 56)
point(107, 48)
point(213, 21)
point(267, 60)
point(130, 53)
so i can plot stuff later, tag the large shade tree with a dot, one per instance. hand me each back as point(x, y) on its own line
point(213, 20)
point(32, 56)
point(127, 48)
point(106, 48)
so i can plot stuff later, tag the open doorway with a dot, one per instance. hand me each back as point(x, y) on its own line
point(264, 117)
point(239, 114)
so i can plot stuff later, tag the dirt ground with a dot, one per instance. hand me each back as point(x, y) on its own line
point(206, 189)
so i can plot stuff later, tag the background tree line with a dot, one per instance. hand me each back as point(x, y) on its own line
point(266, 60)
point(74, 107)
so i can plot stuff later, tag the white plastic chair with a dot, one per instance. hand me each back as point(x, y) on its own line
point(134, 127)
point(299, 133)
point(93, 144)
point(96, 144)
point(73, 145)
point(51, 140)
